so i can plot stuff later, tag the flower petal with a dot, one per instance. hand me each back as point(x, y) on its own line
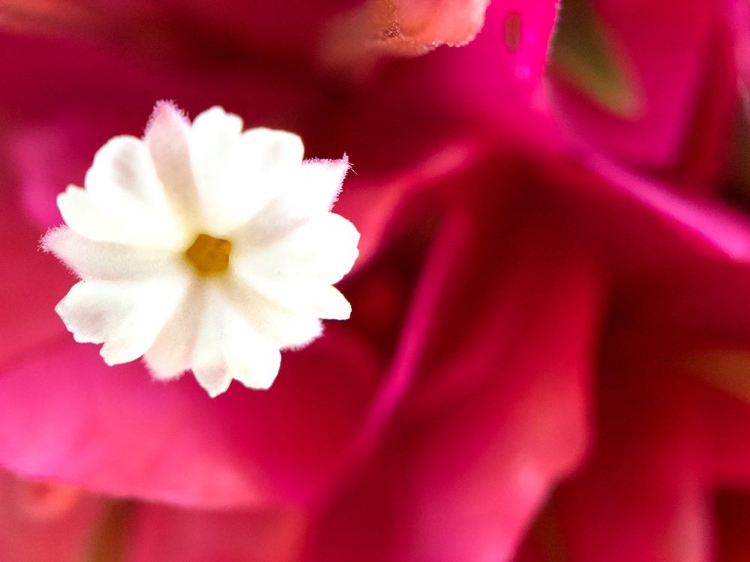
point(89, 218)
point(106, 260)
point(123, 200)
point(287, 328)
point(238, 174)
point(124, 315)
point(304, 297)
point(313, 192)
point(268, 151)
point(167, 137)
point(122, 172)
point(264, 163)
point(319, 184)
point(213, 141)
point(324, 249)
point(171, 354)
point(227, 348)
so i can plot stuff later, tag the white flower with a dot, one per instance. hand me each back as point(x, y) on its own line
point(204, 247)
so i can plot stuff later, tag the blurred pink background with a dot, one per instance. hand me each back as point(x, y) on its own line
point(549, 352)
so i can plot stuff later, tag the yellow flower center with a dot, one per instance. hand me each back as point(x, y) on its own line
point(209, 255)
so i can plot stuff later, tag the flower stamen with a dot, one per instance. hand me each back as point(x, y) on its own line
point(209, 255)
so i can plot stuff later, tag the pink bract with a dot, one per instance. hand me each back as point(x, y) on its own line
point(677, 65)
point(524, 312)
